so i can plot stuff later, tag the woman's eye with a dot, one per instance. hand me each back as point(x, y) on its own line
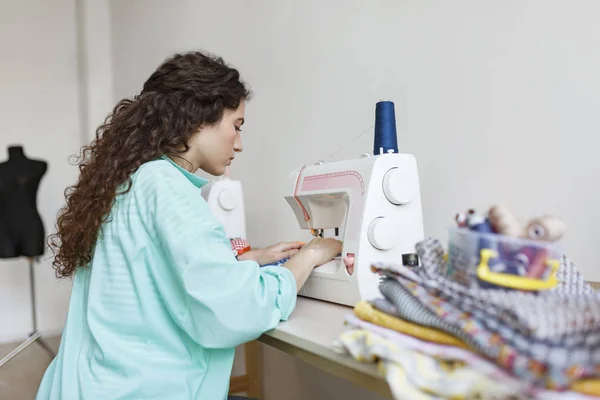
point(237, 128)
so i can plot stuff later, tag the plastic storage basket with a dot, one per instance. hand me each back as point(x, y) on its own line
point(490, 260)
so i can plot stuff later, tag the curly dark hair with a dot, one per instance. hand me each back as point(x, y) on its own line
point(185, 92)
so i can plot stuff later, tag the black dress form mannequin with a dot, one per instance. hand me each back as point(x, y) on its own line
point(21, 229)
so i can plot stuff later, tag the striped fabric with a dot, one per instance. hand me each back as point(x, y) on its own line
point(579, 389)
point(544, 364)
point(162, 305)
point(570, 309)
point(407, 307)
point(436, 350)
point(365, 311)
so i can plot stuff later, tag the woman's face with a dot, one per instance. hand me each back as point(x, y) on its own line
point(213, 148)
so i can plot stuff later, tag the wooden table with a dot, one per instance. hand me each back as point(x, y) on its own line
point(308, 335)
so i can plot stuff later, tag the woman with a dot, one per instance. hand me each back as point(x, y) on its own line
point(159, 301)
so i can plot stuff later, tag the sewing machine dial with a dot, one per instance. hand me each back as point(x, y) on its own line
point(382, 233)
point(227, 200)
point(399, 185)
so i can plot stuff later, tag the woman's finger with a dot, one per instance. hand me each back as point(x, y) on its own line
point(286, 246)
point(288, 254)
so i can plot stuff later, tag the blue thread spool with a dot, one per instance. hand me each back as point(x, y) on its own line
point(386, 140)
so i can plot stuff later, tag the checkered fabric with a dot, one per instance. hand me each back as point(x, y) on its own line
point(239, 246)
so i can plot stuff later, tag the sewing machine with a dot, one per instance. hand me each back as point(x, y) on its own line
point(373, 205)
point(225, 199)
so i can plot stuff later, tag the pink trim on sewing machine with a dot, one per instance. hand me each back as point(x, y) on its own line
point(344, 179)
point(306, 216)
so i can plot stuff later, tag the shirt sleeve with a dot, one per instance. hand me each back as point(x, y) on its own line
point(228, 302)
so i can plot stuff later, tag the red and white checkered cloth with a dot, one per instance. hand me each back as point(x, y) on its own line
point(239, 246)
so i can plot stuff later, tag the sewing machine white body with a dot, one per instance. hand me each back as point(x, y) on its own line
point(375, 202)
point(226, 200)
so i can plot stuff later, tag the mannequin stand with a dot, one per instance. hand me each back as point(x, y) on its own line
point(34, 335)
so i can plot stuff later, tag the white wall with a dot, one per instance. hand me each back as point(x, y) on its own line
point(38, 109)
point(94, 65)
point(40, 100)
point(497, 100)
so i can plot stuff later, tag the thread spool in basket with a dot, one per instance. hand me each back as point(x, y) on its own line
point(504, 221)
point(547, 228)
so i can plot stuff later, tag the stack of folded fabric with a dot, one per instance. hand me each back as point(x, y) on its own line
point(436, 338)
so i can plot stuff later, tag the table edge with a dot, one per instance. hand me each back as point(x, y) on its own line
point(340, 365)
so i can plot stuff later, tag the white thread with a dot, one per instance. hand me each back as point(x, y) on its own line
point(348, 143)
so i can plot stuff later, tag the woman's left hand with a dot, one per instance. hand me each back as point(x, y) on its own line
point(272, 254)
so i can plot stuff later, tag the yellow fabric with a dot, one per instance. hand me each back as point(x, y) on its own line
point(399, 383)
point(367, 312)
point(413, 375)
point(591, 387)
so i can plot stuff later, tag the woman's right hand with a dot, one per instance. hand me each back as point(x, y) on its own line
point(322, 250)
point(317, 252)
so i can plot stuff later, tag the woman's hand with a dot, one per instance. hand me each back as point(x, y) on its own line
point(316, 253)
point(272, 254)
point(322, 250)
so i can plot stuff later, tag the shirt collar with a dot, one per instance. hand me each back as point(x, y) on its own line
point(195, 179)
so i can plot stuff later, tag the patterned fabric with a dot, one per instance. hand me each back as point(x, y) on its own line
point(413, 375)
point(541, 362)
point(589, 387)
point(279, 263)
point(548, 314)
point(571, 281)
point(467, 302)
point(498, 329)
point(410, 309)
point(365, 311)
point(239, 246)
point(385, 306)
point(549, 395)
point(433, 349)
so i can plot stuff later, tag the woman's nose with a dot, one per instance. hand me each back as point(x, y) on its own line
point(237, 145)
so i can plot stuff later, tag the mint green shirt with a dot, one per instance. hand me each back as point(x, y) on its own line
point(164, 302)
